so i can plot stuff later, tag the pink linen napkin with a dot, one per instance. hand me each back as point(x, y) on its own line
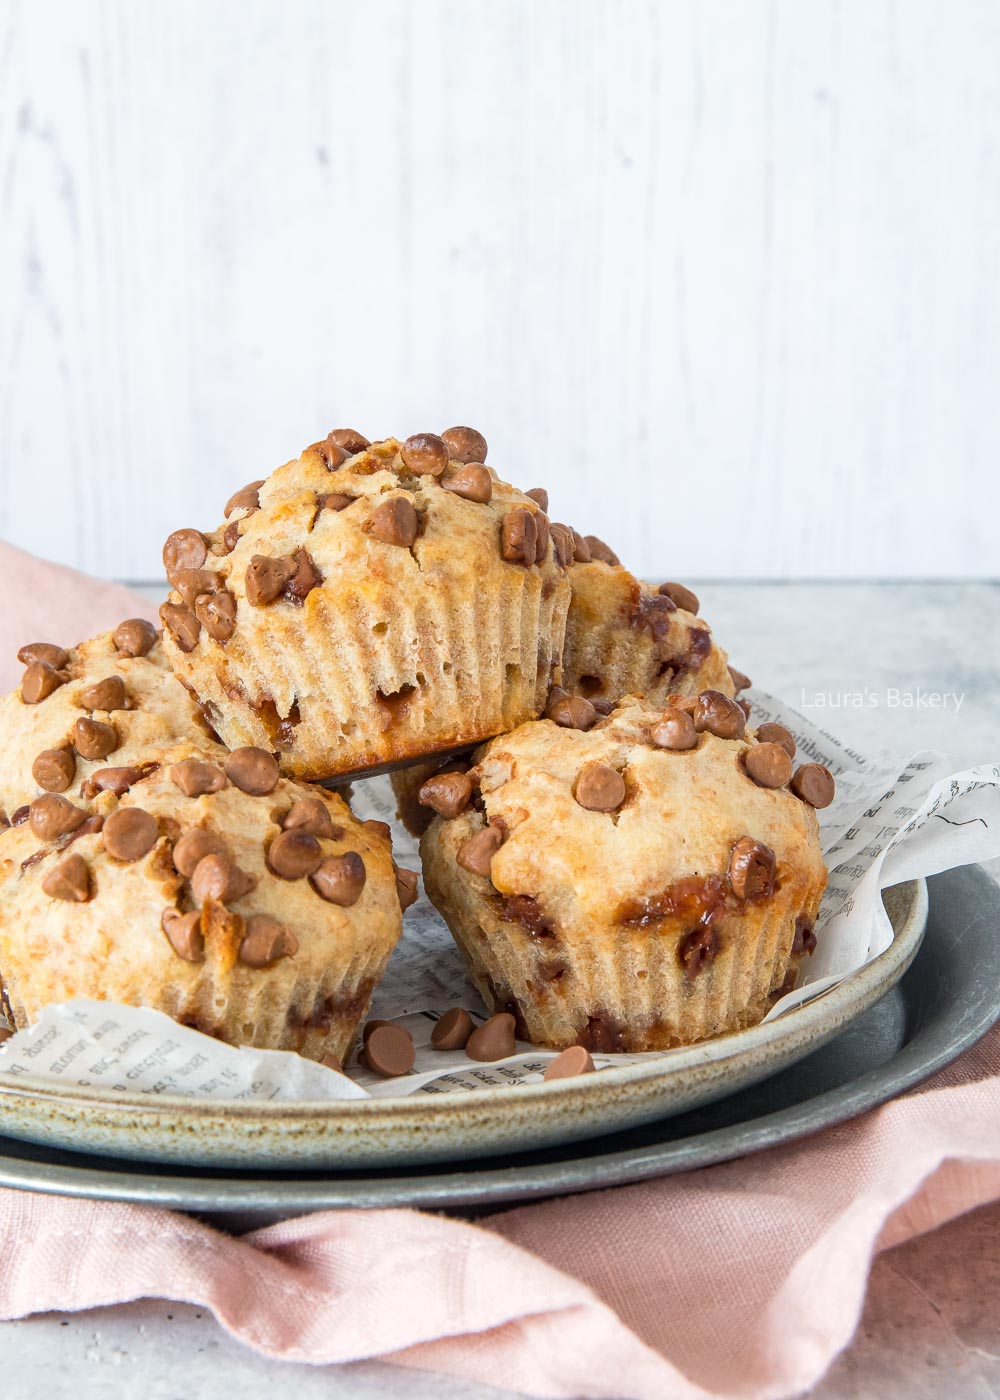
point(741, 1280)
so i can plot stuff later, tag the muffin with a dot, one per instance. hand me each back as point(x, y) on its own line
point(636, 882)
point(250, 907)
point(85, 719)
point(369, 604)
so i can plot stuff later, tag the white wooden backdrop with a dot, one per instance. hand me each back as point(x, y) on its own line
point(724, 275)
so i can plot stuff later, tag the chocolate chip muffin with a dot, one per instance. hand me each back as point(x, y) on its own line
point(87, 719)
point(634, 882)
point(369, 604)
point(253, 908)
point(626, 637)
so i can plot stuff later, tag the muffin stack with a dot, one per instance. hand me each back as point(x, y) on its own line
point(623, 864)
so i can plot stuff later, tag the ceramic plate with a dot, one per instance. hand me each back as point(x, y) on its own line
point(462, 1125)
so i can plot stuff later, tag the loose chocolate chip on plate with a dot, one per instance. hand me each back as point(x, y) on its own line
point(674, 731)
point(573, 1061)
point(777, 734)
point(425, 454)
point(476, 853)
point(183, 932)
point(195, 777)
point(751, 869)
point(182, 625)
point(493, 1040)
point(70, 880)
point(266, 577)
point(389, 1051)
point(407, 886)
point(599, 550)
point(679, 595)
point(814, 784)
point(540, 496)
point(184, 549)
point(53, 656)
point(293, 855)
point(719, 715)
point(94, 739)
point(39, 681)
point(371, 1026)
point(311, 814)
point(351, 441)
point(571, 711)
point(116, 780)
point(54, 769)
point(739, 678)
point(394, 521)
point(473, 483)
point(107, 694)
point(217, 614)
point(519, 536)
point(252, 770)
point(192, 846)
point(129, 833)
point(51, 817)
point(768, 765)
point(464, 444)
point(247, 498)
point(447, 794)
point(340, 879)
point(134, 637)
point(599, 788)
point(452, 1031)
point(265, 941)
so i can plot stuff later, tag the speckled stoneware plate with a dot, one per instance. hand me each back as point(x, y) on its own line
point(380, 1133)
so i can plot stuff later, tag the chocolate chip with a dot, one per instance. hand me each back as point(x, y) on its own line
point(740, 680)
point(389, 1051)
point(744, 706)
point(540, 496)
point(573, 1061)
point(600, 551)
point(216, 877)
point(217, 614)
point(674, 731)
point(56, 657)
point(70, 880)
point(562, 543)
point(195, 777)
point(340, 879)
point(311, 815)
point(804, 940)
point(108, 694)
point(777, 734)
point(247, 498)
point(751, 869)
point(447, 794)
point(493, 1040)
point(603, 707)
point(184, 549)
point(129, 833)
point(266, 577)
point(94, 738)
point(473, 483)
point(581, 549)
point(191, 584)
point(230, 537)
point(54, 769)
point(687, 703)
point(542, 533)
point(519, 537)
point(452, 1031)
point(394, 521)
point(116, 780)
point(252, 770)
point(697, 949)
point(371, 1026)
point(407, 886)
point(134, 637)
point(571, 711)
point(332, 500)
point(464, 444)
point(476, 852)
point(182, 625)
point(193, 846)
point(294, 854)
point(304, 577)
point(599, 788)
point(380, 829)
point(266, 941)
point(51, 817)
point(814, 784)
point(679, 595)
point(330, 1061)
point(330, 453)
point(20, 815)
point(183, 932)
point(39, 681)
point(348, 440)
point(425, 454)
point(719, 715)
point(768, 765)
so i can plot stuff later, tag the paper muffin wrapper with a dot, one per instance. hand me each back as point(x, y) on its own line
point(339, 686)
